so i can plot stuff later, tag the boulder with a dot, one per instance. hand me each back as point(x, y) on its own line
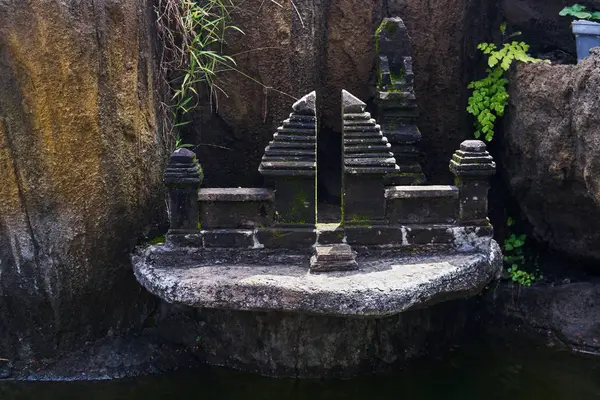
point(80, 164)
point(567, 314)
point(551, 153)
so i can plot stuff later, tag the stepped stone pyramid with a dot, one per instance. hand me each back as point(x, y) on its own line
point(366, 150)
point(293, 148)
point(367, 160)
point(290, 164)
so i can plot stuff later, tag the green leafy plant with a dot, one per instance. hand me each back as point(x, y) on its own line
point(515, 258)
point(490, 97)
point(193, 36)
point(580, 12)
point(180, 145)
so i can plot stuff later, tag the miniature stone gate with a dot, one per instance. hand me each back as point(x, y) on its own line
point(397, 247)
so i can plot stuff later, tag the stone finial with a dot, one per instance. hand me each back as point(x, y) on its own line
point(472, 160)
point(351, 104)
point(472, 165)
point(183, 168)
point(183, 176)
point(394, 56)
point(307, 105)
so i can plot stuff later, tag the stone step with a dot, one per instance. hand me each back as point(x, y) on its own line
point(266, 164)
point(296, 131)
point(292, 145)
point(348, 130)
point(370, 161)
point(368, 149)
point(370, 155)
point(365, 141)
point(292, 138)
point(359, 116)
point(301, 118)
point(360, 122)
point(288, 152)
point(357, 135)
point(299, 125)
point(267, 158)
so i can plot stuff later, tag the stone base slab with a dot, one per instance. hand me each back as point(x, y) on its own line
point(388, 282)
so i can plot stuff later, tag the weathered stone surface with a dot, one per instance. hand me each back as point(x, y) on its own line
point(568, 313)
point(314, 346)
point(551, 153)
point(386, 283)
point(80, 165)
point(235, 207)
point(421, 204)
point(333, 257)
point(330, 49)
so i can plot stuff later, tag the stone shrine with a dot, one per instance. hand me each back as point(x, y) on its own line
point(261, 268)
point(396, 102)
point(395, 249)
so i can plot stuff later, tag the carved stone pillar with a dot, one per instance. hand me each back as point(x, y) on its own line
point(472, 165)
point(183, 177)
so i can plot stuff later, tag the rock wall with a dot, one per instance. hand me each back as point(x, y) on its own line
point(330, 48)
point(542, 26)
point(551, 153)
point(80, 166)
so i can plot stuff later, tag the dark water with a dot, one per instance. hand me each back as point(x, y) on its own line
point(472, 372)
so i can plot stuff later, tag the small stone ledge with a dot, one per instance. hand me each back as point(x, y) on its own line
point(411, 192)
point(235, 194)
point(387, 282)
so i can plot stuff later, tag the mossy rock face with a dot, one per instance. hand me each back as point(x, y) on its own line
point(80, 165)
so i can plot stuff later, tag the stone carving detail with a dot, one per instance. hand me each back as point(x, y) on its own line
point(472, 165)
point(396, 101)
point(289, 164)
point(367, 159)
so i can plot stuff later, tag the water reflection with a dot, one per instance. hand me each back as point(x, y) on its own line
point(472, 372)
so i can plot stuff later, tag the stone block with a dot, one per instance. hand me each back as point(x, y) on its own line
point(364, 198)
point(228, 238)
point(287, 237)
point(421, 204)
point(374, 235)
point(330, 233)
point(295, 200)
point(428, 234)
point(336, 257)
point(249, 208)
point(184, 239)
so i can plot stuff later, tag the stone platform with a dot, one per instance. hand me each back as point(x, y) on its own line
point(262, 310)
point(388, 282)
